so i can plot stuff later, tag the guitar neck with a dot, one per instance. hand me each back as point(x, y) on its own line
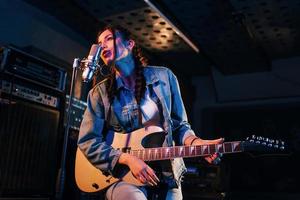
point(165, 153)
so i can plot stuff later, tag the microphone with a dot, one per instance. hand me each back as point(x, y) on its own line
point(91, 63)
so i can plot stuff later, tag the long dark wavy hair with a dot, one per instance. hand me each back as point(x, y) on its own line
point(139, 59)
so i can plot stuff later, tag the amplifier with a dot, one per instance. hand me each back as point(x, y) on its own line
point(22, 65)
point(77, 110)
point(202, 176)
point(201, 181)
point(28, 93)
point(32, 96)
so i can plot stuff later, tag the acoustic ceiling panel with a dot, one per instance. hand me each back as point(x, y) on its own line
point(150, 30)
point(221, 33)
point(275, 25)
point(163, 46)
point(238, 36)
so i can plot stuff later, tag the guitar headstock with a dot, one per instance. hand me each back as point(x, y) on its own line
point(258, 143)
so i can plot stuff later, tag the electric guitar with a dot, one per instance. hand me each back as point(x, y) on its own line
point(147, 146)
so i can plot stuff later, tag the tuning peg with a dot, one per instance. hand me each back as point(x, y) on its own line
point(257, 142)
point(282, 144)
point(261, 138)
point(270, 145)
point(276, 141)
point(276, 146)
point(252, 139)
point(266, 139)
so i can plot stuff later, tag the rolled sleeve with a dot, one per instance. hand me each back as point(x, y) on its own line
point(91, 139)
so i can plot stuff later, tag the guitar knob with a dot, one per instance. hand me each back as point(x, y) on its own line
point(264, 143)
point(276, 146)
point(95, 185)
point(276, 141)
point(257, 142)
point(253, 137)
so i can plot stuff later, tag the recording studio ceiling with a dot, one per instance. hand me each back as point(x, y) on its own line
point(236, 36)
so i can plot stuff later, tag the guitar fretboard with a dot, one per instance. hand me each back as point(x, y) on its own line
point(163, 153)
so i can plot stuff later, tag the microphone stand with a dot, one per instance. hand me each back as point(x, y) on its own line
point(60, 184)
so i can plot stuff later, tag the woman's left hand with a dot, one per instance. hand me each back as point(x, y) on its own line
point(214, 158)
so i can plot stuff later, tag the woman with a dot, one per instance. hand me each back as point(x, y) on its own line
point(135, 96)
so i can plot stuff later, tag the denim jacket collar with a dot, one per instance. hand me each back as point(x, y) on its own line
point(150, 76)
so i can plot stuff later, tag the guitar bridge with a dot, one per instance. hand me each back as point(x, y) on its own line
point(126, 149)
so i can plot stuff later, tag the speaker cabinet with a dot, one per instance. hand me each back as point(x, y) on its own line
point(32, 96)
point(28, 145)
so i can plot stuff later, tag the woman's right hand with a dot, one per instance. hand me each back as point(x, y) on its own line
point(139, 169)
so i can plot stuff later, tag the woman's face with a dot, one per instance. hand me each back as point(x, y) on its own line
point(106, 41)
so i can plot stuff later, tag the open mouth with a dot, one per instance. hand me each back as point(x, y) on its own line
point(106, 53)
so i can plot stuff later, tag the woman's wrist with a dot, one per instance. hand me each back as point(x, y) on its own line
point(193, 140)
point(190, 140)
point(124, 158)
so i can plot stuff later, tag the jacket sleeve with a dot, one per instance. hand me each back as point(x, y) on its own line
point(91, 139)
point(180, 127)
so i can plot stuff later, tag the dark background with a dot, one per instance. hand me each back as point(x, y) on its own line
point(243, 80)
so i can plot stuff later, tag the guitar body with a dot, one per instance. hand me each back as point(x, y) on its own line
point(90, 179)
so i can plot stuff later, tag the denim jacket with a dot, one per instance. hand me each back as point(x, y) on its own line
point(164, 85)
